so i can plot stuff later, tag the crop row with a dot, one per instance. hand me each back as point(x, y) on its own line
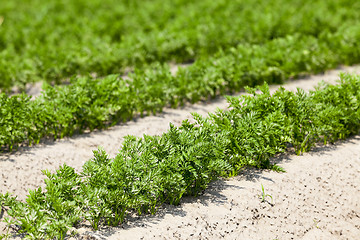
point(153, 170)
point(88, 104)
point(52, 40)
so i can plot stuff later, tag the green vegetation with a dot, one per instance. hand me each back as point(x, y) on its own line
point(91, 104)
point(153, 170)
point(54, 40)
point(264, 195)
point(233, 45)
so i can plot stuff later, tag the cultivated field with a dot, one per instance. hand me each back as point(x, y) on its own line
point(114, 124)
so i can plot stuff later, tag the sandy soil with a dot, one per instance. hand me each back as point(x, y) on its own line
point(317, 198)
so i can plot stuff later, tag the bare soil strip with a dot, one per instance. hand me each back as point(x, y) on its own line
point(316, 197)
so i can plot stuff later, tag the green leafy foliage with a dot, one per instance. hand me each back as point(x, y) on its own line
point(153, 170)
point(88, 103)
point(54, 40)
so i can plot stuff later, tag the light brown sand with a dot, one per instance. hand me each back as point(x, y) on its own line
point(316, 198)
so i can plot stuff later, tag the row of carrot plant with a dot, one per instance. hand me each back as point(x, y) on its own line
point(88, 104)
point(153, 170)
point(53, 40)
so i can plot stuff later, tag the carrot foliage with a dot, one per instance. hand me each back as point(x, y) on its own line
point(153, 170)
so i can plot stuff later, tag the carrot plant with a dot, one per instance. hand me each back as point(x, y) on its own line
point(110, 36)
point(88, 103)
point(153, 170)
